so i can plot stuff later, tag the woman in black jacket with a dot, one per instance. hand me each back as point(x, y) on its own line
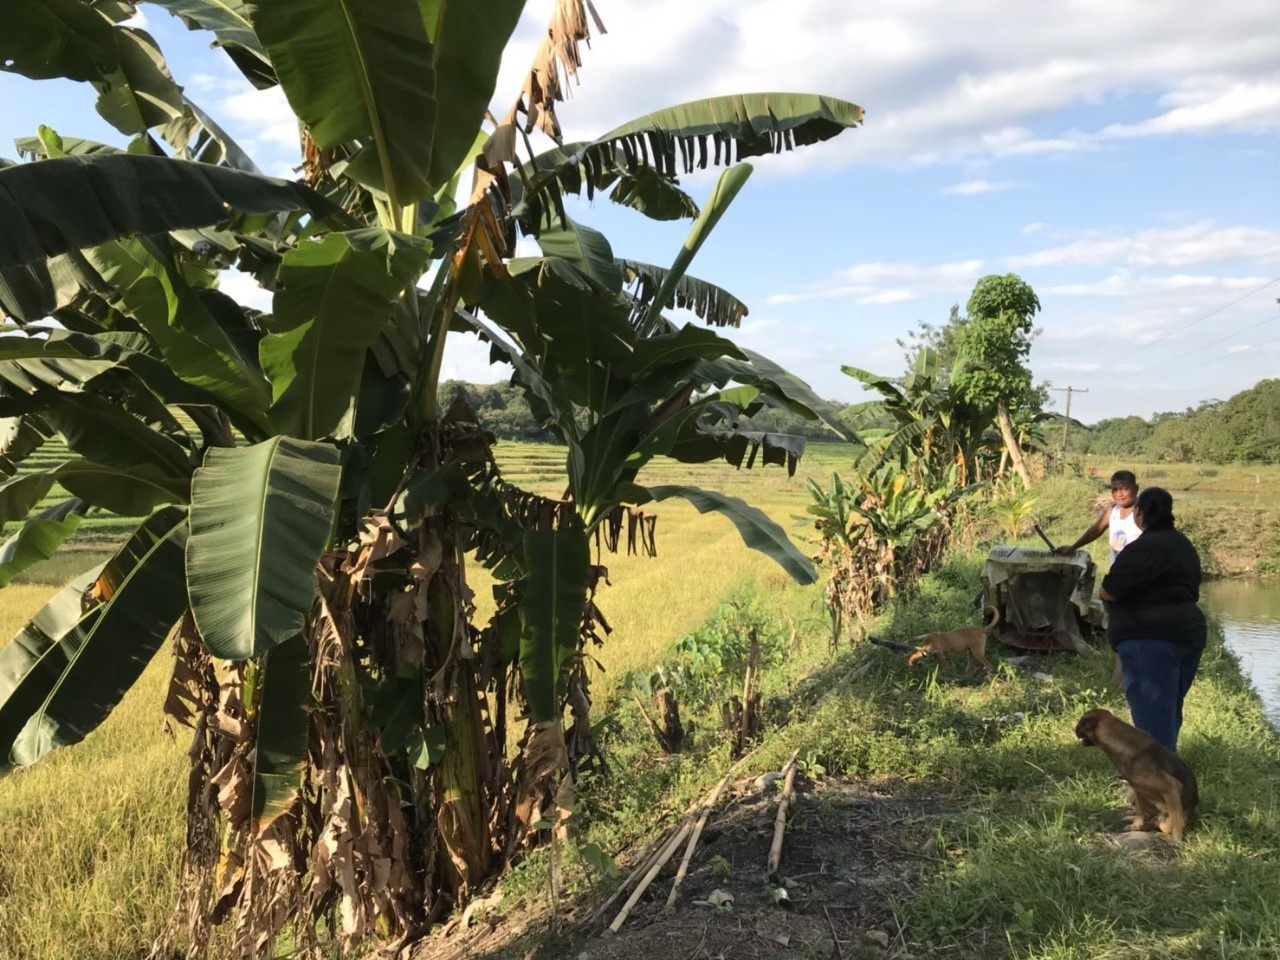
point(1153, 622)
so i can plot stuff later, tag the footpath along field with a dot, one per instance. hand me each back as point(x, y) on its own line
point(938, 815)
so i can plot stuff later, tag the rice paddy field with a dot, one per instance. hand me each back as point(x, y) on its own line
point(89, 837)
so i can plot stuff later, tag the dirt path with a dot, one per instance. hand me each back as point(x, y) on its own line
point(853, 848)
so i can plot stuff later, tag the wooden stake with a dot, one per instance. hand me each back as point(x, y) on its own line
point(693, 839)
point(744, 722)
point(653, 727)
point(780, 822)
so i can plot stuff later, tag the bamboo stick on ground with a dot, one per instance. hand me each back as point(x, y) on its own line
point(780, 822)
point(658, 864)
point(664, 851)
point(693, 839)
point(643, 859)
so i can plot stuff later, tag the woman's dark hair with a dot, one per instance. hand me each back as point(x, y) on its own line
point(1157, 508)
point(1125, 478)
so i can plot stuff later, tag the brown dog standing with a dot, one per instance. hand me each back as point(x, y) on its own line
point(1160, 780)
point(972, 639)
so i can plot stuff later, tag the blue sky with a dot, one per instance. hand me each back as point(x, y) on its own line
point(1122, 156)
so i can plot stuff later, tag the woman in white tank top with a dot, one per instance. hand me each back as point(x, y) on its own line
point(1117, 521)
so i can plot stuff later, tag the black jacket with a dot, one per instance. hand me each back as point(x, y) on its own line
point(1155, 583)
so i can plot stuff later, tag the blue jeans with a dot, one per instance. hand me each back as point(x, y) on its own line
point(1157, 676)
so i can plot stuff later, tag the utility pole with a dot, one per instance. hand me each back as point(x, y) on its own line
point(1066, 423)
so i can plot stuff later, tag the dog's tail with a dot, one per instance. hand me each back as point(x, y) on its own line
point(892, 644)
point(995, 619)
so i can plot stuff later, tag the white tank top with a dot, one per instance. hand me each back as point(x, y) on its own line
point(1123, 530)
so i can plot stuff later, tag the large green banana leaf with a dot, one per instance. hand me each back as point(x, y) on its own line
point(727, 188)
point(199, 349)
point(586, 248)
point(751, 124)
point(757, 530)
point(717, 131)
point(39, 538)
point(131, 491)
point(708, 302)
point(47, 39)
point(69, 203)
point(141, 92)
point(336, 296)
point(64, 673)
point(102, 432)
point(360, 71)
point(572, 168)
point(552, 598)
point(283, 725)
point(467, 40)
point(260, 519)
point(790, 391)
point(228, 20)
point(32, 662)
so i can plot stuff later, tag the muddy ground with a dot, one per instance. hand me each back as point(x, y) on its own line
point(853, 849)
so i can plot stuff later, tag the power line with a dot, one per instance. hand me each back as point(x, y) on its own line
point(1214, 313)
point(1203, 346)
point(1228, 356)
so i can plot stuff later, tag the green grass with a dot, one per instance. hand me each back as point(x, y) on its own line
point(90, 838)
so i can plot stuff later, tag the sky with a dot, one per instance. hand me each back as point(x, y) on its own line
point(1121, 156)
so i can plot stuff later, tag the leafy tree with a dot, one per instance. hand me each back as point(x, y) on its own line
point(942, 339)
point(994, 345)
point(306, 489)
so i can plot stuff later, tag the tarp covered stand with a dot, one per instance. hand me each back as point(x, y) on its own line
point(1043, 598)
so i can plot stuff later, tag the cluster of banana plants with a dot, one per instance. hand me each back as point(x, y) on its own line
point(364, 753)
point(891, 521)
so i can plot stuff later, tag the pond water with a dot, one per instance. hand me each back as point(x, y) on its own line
point(1249, 612)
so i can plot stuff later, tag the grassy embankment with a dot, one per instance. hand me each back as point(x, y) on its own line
point(90, 836)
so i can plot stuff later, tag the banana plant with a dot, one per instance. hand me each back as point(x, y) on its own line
point(305, 501)
point(933, 424)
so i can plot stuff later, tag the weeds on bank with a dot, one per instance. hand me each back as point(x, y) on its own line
point(1026, 869)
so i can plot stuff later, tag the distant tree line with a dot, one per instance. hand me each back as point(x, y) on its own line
point(503, 410)
point(1245, 428)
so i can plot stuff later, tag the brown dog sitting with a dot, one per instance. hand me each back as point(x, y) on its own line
point(943, 645)
point(1160, 782)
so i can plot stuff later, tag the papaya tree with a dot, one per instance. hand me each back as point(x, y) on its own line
point(364, 753)
point(994, 345)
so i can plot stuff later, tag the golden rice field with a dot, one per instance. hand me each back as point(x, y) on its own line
point(89, 838)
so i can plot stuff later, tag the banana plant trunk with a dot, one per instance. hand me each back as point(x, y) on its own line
point(1011, 443)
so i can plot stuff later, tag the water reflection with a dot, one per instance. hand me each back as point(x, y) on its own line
point(1249, 612)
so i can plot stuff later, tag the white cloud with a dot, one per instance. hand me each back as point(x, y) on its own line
point(972, 187)
point(265, 112)
point(139, 20)
point(885, 283)
point(1185, 246)
point(1125, 283)
point(1030, 228)
point(940, 81)
point(1203, 106)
